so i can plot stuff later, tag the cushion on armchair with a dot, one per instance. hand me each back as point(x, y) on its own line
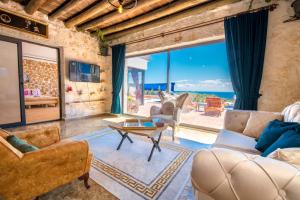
point(20, 144)
point(272, 132)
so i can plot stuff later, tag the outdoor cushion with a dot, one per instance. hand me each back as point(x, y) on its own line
point(288, 139)
point(20, 144)
point(236, 141)
point(258, 121)
point(272, 132)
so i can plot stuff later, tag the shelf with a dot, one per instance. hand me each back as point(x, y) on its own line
point(97, 100)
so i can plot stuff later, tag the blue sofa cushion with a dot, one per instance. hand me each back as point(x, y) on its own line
point(290, 138)
point(272, 132)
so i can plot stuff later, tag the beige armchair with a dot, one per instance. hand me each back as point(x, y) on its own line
point(170, 110)
point(233, 169)
point(27, 175)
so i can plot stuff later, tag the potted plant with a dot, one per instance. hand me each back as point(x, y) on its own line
point(103, 44)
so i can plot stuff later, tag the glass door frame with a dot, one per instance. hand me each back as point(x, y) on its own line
point(61, 75)
point(21, 82)
point(123, 92)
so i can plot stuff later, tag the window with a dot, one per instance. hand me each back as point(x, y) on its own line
point(202, 71)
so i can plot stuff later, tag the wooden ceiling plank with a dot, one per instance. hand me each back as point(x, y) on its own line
point(64, 9)
point(180, 15)
point(34, 5)
point(169, 9)
point(114, 18)
point(4, 1)
point(101, 8)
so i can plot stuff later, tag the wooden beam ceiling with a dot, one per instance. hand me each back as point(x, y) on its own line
point(114, 18)
point(70, 5)
point(4, 1)
point(186, 13)
point(34, 5)
point(99, 9)
point(93, 14)
point(169, 9)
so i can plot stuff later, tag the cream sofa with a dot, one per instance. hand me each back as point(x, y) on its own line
point(234, 170)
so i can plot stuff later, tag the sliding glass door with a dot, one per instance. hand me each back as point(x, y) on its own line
point(10, 86)
point(202, 71)
point(145, 76)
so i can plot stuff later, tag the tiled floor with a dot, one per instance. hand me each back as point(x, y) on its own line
point(189, 137)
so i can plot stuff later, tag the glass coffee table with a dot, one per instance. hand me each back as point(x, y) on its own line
point(151, 134)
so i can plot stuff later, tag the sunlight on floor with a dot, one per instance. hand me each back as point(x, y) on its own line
point(117, 119)
point(197, 135)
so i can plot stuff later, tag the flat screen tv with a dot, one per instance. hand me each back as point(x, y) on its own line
point(84, 72)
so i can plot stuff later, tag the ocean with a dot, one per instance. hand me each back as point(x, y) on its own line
point(223, 95)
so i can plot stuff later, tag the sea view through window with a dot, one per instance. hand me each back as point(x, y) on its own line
point(202, 71)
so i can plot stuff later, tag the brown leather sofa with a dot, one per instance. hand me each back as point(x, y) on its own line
point(234, 170)
point(24, 176)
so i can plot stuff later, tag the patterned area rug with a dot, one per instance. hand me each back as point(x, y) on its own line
point(128, 175)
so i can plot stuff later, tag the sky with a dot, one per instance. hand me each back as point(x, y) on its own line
point(198, 68)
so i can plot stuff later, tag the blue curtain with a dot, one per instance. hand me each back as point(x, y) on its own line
point(118, 65)
point(246, 40)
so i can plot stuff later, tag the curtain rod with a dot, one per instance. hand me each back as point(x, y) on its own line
point(269, 7)
point(202, 24)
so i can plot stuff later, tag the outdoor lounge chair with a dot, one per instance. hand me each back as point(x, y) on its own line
point(170, 110)
point(214, 105)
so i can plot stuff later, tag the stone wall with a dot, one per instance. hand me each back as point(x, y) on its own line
point(90, 99)
point(280, 83)
point(42, 75)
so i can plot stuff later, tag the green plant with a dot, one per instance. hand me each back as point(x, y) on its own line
point(103, 44)
point(101, 37)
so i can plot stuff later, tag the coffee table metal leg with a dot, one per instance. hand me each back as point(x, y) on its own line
point(129, 138)
point(124, 136)
point(155, 145)
point(150, 156)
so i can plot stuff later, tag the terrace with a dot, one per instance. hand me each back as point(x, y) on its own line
point(193, 114)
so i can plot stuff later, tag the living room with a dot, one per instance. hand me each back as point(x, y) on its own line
point(88, 111)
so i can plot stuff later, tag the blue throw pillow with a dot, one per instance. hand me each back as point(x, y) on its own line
point(20, 144)
point(288, 139)
point(272, 132)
